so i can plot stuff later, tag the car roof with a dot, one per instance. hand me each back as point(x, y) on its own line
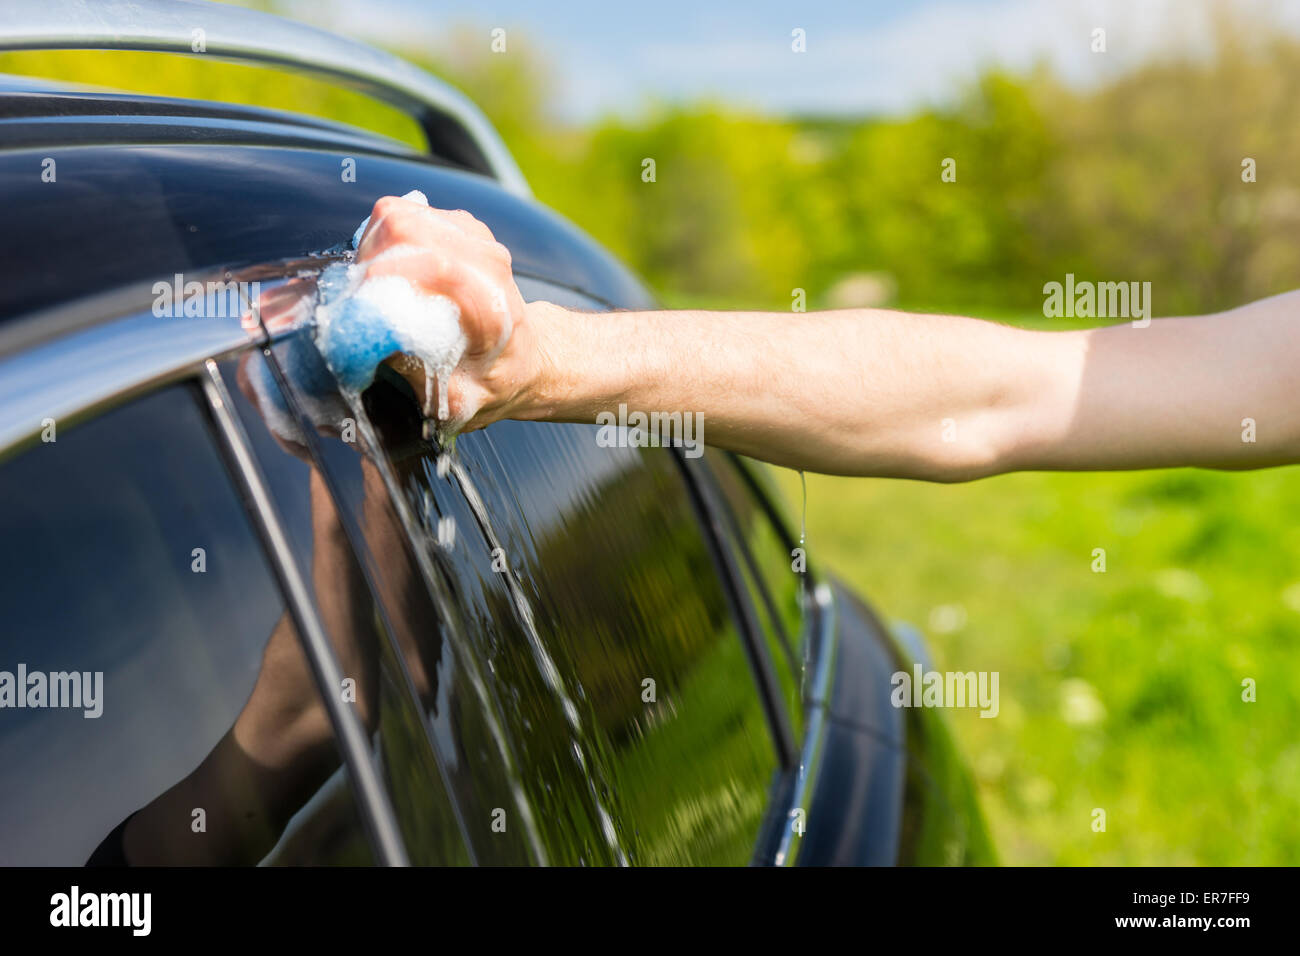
point(34, 104)
point(139, 188)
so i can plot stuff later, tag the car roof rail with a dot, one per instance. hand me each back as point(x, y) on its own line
point(447, 117)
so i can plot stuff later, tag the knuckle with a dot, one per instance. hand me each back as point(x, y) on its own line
point(401, 227)
point(449, 271)
point(472, 224)
point(467, 218)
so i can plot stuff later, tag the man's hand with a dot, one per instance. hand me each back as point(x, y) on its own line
point(451, 253)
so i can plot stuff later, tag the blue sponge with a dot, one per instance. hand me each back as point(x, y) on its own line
point(358, 339)
point(357, 336)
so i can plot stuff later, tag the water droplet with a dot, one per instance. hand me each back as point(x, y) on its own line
point(803, 514)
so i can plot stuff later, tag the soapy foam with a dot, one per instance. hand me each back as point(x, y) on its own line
point(362, 321)
point(425, 326)
point(376, 318)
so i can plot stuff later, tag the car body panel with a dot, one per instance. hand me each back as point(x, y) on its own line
point(278, 192)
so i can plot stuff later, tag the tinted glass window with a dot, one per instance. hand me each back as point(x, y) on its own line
point(440, 718)
point(327, 541)
point(168, 712)
point(611, 561)
point(583, 679)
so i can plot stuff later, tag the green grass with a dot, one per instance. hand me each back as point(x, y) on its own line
point(1119, 690)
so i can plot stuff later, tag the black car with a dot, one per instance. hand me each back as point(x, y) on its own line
point(252, 619)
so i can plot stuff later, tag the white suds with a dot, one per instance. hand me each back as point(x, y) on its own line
point(376, 317)
point(427, 326)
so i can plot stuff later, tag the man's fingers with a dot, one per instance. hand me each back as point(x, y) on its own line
point(383, 208)
point(403, 221)
point(451, 254)
point(465, 222)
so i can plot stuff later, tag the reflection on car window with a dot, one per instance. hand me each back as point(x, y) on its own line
point(776, 588)
point(363, 634)
point(626, 595)
point(588, 640)
point(614, 665)
point(168, 713)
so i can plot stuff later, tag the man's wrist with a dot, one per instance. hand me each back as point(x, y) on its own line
point(550, 393)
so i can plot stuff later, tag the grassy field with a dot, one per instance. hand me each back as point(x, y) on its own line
point(1120, 690)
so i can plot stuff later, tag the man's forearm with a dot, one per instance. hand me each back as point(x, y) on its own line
point(852, 392)
point(945, 398)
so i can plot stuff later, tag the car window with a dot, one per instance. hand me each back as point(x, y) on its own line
point(612, 565)
point(777, 588)
point(594, 699)
point(155, 704)
point(438, 698)
point(588, 600)
point(326, 543)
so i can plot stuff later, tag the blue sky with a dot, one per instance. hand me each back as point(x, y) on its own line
point(867, 56)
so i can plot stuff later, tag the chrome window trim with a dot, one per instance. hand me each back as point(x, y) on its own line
point(820, 620)
point(810, 757)
point(250, 36)
point(71, 376)
point(375, 808)
point(706, 499)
